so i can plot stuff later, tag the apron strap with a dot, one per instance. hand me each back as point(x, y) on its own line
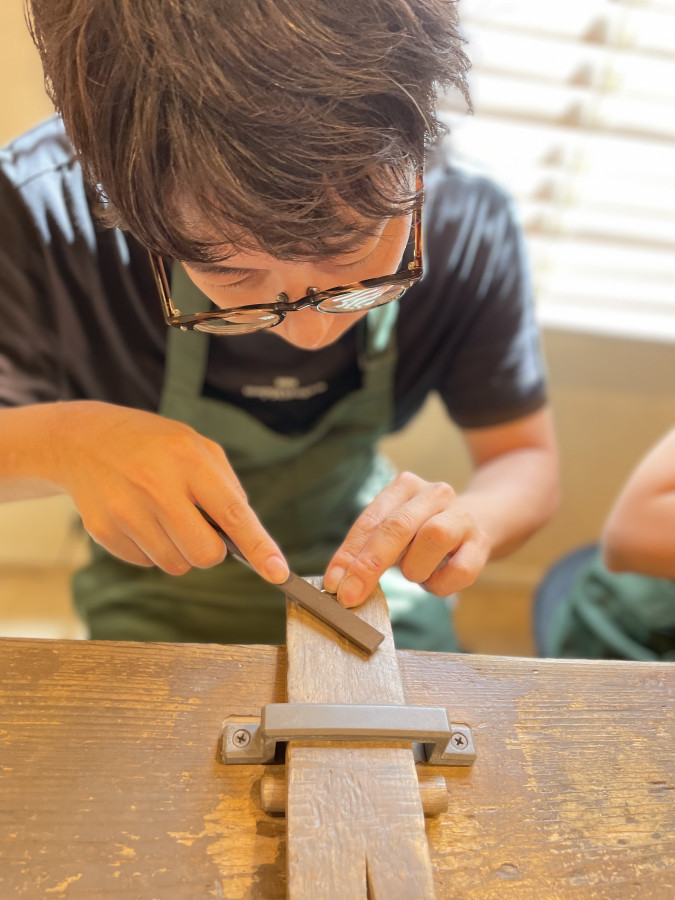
point(187, 352)
point(381, 323)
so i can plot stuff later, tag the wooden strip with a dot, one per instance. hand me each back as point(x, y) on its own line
point(355, 825)
point(273, 790)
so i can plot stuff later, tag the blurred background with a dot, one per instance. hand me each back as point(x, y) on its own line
point(575, 114)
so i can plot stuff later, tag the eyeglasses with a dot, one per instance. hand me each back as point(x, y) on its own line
point(344, 299)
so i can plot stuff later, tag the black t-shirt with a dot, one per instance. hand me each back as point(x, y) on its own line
point(80, 317)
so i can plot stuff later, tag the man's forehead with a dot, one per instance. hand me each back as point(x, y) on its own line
point(247, 253)
point(206, 223)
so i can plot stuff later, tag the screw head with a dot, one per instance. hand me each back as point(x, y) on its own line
point(459, 741)
point(241, 738)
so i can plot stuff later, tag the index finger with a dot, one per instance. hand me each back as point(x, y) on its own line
point(225, 501)
point(241, 524)
point(392, 497)
point(230, 546)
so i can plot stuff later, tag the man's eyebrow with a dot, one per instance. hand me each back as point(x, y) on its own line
point(215, 268)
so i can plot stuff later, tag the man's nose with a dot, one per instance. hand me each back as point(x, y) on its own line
point(306, 327)
point(294, 281)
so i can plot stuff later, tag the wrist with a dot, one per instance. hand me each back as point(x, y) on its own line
point(31, 444)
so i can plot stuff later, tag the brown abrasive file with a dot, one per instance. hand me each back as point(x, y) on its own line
point(321, 604)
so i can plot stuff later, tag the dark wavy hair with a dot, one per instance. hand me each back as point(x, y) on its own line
point(264, 119)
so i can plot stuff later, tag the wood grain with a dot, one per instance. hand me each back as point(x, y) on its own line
point(355, 824)
point(111, 784)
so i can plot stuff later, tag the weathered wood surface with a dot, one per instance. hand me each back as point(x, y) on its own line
point(111, 785)
point(355, 825)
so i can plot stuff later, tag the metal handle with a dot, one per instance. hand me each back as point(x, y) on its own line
point(254, 743)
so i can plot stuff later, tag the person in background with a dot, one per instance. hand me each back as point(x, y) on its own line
point(252, 175)
point(621, 604)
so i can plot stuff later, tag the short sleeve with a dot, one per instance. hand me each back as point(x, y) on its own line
point(29, 370)
point(495, 372)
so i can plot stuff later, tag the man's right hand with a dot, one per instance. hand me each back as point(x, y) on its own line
point(136, 479)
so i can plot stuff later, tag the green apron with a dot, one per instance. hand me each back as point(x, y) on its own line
point(307, 489)
point(609, 615)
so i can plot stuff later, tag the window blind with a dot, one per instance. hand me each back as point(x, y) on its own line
point(574, 112)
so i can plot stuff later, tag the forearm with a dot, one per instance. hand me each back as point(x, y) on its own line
point(27, 436)
point(646, 547)
point(639, 535)
point(513, 495)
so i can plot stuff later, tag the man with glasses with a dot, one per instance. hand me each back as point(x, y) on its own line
point(252, 176)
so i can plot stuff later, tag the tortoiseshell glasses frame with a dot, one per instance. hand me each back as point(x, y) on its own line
point(344, 299)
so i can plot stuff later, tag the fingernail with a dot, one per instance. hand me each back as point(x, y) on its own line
point(333, 578)
point(276, 569)
point(350, 592)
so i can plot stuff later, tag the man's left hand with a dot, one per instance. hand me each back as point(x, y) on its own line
point(422, 527)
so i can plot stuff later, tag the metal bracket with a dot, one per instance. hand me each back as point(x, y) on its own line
point(442, 744)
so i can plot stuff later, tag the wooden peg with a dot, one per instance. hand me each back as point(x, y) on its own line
point(433, 792)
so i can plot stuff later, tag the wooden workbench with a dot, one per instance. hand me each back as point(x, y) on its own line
point(111, 784)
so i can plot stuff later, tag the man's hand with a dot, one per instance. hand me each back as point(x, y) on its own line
point(442, 540)
point(420, 526)
point(137, 479)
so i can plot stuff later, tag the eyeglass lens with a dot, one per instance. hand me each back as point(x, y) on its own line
point(356, 301)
